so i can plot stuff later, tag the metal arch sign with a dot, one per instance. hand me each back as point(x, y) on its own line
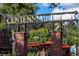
point(64, 17)
point(34, 18)
point(21, 19)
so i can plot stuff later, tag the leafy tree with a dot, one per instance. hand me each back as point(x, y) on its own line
point(39, 35)
point(72, 37)
point(2, 23)
point(53, 5)
point(18, 8)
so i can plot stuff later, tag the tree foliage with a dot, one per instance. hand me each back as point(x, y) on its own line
point(53, 5)
point(39, 35)
point(72, 36)
point(18, 8)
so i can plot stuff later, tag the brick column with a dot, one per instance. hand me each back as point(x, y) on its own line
point(56, 48)
point(20, 44)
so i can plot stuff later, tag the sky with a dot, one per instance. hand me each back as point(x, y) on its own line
point(43, 8)
point(63, 7)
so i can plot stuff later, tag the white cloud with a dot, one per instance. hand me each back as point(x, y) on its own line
point(69, 5)
point(45, 4)
point(57, 10)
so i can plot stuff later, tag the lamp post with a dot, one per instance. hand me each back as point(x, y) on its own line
point(13, 43)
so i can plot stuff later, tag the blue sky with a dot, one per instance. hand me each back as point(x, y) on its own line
point(43, 8)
